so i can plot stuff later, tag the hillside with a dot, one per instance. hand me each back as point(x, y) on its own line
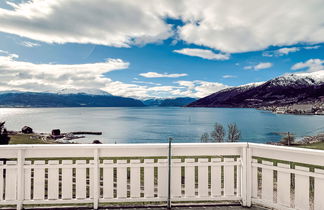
point(33, 99)
point(284, 90)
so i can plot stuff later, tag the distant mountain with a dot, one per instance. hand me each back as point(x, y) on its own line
point(33, 99)
point(284, 90)
point(177, 101)
point(182, 101)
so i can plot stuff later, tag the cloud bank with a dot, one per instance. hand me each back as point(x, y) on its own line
point(225, 25)
point(27, 76)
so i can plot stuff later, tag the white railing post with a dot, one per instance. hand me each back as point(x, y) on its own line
point(20, 179)
point(243, 177)
point(246, 176)
point(96, 179)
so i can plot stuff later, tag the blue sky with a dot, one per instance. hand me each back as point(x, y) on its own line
point(169, 50)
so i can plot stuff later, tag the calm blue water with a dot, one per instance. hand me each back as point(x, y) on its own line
point(155, 124)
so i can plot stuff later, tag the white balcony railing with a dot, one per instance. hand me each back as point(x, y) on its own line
point(273, 176)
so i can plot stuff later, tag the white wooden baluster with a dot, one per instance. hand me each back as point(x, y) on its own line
point(1, 181)
point(176, 178)
point(135, 179)
point(121, 179)
point(11, 181)
point(108, 179)
point(39, 180)
point(163, 178)
point(149, 178)
point(91, 179)
point(189, 178)
point(27, 177)
point(238, 178)
point(67, 179)
point(267, 183)
point(319, 191)
point(202, 178)
point(283, 186)
point(301, 189)
point(255, 181)
point(20, 179)
point(216, 177)
point(228, 177)
point(247, 171)
point(81, 179)
point(53, 180)
point(96, 178)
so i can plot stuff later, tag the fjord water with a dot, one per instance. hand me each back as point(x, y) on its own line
point(157, 124)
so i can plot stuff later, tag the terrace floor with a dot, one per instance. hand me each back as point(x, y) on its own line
point(204, 208)
point(215, 207)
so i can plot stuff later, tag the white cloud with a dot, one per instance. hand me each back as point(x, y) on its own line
point(145, 82)
point(281, 51)
point(198, 88)
point(4, 52)
point(158, 75)
point(206, 54)
point(227, 76)
point(259, 66)
point(27, 76)
point(111, 23)
point(287, 50)
point(224, 25)
point(232, 27)
point(312, 47)
point(311, 65)
point(29, 44)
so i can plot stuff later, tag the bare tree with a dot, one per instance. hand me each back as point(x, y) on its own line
point(4, 138)
point(204, 138)
point(218, 133)
point(289, 139)
point(234, 134)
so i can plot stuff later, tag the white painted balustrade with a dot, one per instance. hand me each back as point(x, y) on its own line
point(273, 176)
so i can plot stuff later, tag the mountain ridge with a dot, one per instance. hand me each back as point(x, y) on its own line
point(39, 99)
point(284, 90)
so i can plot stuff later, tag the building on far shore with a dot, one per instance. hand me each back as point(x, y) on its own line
point(281, 110)
point(303, 108)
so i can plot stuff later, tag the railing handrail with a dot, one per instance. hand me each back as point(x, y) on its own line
point(136, 145)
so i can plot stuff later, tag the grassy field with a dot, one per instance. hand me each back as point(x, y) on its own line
point(34, 139)
point(26, 139)
point(318, 145)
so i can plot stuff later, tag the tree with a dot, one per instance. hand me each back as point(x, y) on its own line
point(288, 140)
point(204, 138)
point(218, 133)
point(234, 134)
point(4, 138)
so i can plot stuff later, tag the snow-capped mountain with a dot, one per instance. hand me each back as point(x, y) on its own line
point(313, 78)
point(283, 90)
